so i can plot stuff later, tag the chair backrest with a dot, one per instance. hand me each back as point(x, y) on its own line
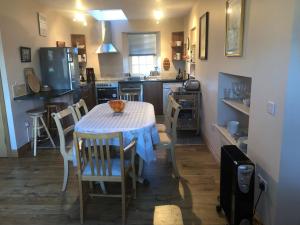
point(93, 152)
point(58, 117)
point(129, 96)
point(172, 118)
point(79, 107)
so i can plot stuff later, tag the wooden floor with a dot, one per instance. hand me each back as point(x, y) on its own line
point(30, 193)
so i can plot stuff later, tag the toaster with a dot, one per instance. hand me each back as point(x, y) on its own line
point(192, 85)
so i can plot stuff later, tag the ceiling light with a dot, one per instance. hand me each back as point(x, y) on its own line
point(108, 15)
point(158, 14)
point(79, 5)
point(80, 17)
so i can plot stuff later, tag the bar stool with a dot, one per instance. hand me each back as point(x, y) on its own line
point(37, 115)
point(53, 107)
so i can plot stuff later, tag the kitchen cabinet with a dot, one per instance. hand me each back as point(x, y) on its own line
point(153, 93)
point(88, 94)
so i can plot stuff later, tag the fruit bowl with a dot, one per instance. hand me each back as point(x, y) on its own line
point(117, 105)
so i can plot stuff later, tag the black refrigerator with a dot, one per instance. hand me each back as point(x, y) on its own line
point(60, 69)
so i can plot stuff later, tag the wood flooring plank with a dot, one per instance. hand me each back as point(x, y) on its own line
point(30, 192)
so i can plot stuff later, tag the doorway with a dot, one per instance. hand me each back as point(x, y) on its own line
point(4, 141)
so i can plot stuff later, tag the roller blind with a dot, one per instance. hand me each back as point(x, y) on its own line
point(142, 44)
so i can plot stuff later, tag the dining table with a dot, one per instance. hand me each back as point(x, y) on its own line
point(136, 121)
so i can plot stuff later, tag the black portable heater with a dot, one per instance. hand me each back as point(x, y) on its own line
point(236, 186)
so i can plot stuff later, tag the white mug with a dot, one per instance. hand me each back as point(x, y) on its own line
point(233, 127)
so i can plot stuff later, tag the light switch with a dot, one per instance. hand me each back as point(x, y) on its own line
point(271, 108)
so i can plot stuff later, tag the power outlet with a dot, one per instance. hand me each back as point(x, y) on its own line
point(262, 181)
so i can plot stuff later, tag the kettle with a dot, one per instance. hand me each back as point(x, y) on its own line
point(192, 85)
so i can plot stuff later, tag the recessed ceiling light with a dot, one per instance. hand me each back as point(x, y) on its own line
point(158, 14)
point(109, 14)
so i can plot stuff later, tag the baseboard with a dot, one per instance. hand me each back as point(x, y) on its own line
point(206, 141)
point(24, 150)
point(13, 154)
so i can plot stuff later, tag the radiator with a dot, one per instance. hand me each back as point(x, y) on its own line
point(236, 186)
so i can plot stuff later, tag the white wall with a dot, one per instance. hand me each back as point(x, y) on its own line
point(165, 27)
point(289, 179)
point(266, 58)
point(19, 27)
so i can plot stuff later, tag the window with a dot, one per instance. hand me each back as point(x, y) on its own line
point(142, 49)
point(142, 64)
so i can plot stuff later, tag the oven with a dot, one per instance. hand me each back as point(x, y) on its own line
point(106, 90)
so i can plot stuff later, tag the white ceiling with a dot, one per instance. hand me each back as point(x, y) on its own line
point(134, 9)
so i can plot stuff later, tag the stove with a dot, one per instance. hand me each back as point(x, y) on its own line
point(106, 90)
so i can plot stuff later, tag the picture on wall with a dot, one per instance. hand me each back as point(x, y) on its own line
point(203, 36)
point(234, 27)
point(25, 54)
point(42, 20)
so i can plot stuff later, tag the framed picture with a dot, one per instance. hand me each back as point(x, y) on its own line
point(42, 20)
point(203, 36)
point(60, 44)
point(234, 27)
point(25, 54)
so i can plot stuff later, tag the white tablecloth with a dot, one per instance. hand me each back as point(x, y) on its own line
point(137, 120)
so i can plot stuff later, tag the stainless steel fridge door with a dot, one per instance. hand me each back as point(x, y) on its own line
point(74, 73)
point(55, 68)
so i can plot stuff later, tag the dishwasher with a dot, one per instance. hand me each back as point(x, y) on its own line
point(166, 92)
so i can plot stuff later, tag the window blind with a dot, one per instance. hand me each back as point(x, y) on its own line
point(142, 44)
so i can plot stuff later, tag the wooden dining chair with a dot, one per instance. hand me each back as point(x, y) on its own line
point(162, 127)
point(95, 163)
point(168, 139)
point(80, 108)
point(129, 96)
point(65, 137)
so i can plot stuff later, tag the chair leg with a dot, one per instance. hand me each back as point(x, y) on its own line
point(34, 135)
point(47, 131)
point(81, 201)
point(141, 165)
point(133, 181)
point(66, 174)
point(102, 185)
point(123, 203)
point(173, 155)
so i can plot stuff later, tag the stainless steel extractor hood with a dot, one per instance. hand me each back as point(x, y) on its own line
point(107, 45)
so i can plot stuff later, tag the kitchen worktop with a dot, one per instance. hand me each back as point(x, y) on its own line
point(44, 95)
point(126, 79)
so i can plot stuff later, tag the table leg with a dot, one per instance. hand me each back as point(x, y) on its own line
point(140, 178)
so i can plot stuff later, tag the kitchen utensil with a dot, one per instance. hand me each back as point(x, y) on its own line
point(192, 85)
point(45, 88)
point(32, 81)
point(233, 127)
point(117, 105)
point(166, 64)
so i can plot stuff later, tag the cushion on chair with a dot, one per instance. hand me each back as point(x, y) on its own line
point(164, 138)
point(115, 167)
point(161, 127)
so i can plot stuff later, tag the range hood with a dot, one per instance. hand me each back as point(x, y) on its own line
point(106, 46)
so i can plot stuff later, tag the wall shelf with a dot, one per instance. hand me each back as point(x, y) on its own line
point(226, 134)
point(238, 106)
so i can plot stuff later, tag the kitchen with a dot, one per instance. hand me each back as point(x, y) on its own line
point(151, 50)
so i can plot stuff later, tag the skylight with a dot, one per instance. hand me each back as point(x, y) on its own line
point(108, 15)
